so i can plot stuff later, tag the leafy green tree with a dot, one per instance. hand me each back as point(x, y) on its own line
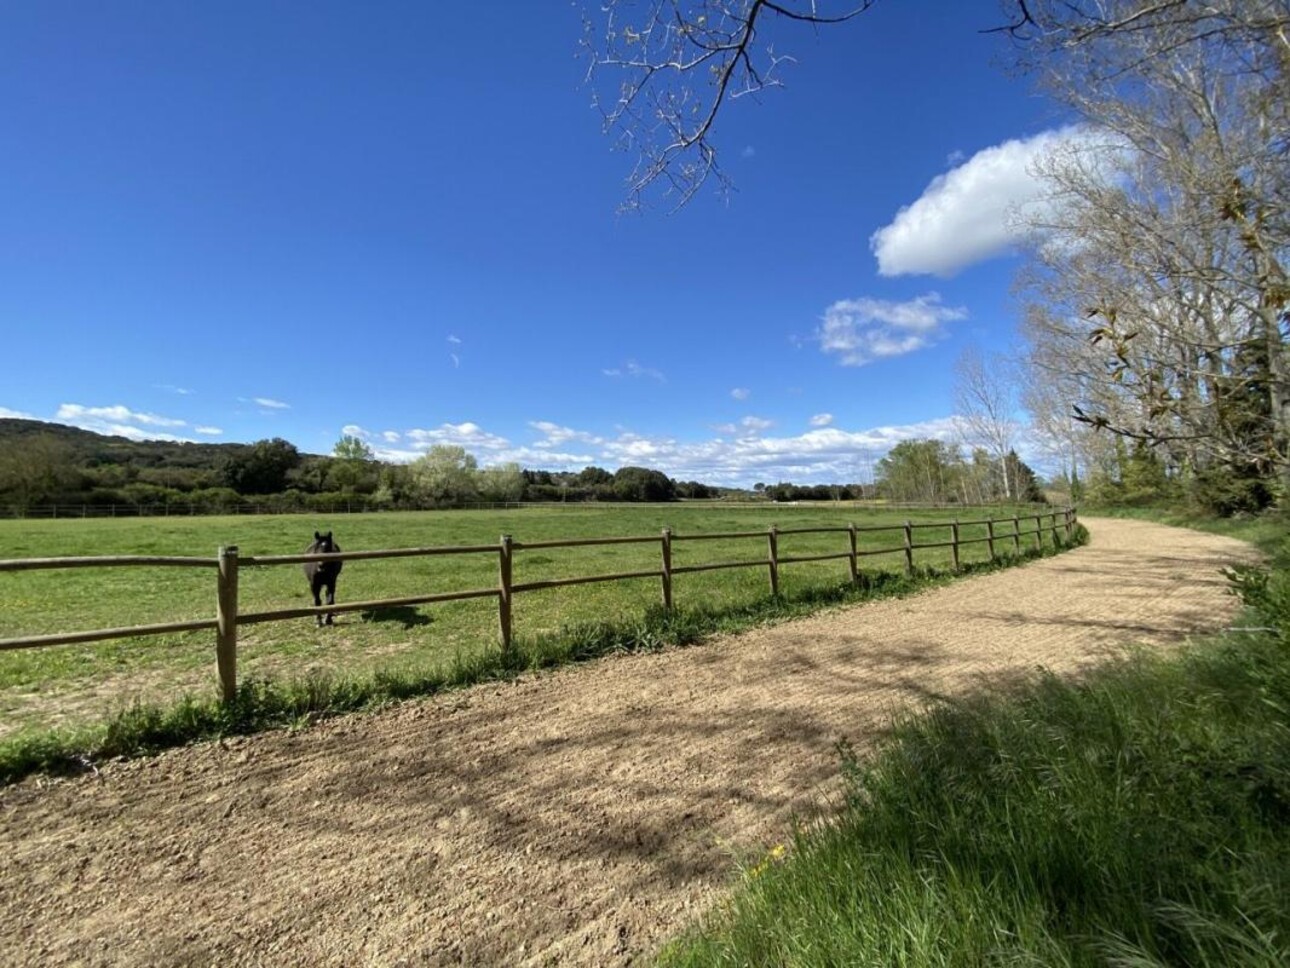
point(352, 448)
point(35, 469)
point(445, 475)
point(593, 476)
point(350, 465)
point(643, 484)
point(502, 483)
point(925, 471)
point(261, 468)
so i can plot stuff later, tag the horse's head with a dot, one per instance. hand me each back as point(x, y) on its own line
point(323, 543)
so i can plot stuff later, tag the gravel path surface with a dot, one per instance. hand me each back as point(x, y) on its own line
point(577, 817)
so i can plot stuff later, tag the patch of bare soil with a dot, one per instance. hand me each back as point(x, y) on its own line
point(577, 817)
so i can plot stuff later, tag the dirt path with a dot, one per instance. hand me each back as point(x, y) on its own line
point(577, 817)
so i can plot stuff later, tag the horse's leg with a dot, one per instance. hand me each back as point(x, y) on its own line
point(331, 599)
point(316, 586)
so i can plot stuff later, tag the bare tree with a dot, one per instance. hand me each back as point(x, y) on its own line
point(985, 398)
point(677, 63)
point(1159, 280)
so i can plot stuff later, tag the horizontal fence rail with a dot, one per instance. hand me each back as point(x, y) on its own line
point(228, 563)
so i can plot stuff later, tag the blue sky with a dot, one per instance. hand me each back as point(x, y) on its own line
point(233, 221)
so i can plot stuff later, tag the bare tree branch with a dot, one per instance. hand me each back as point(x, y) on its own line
point(677, 64)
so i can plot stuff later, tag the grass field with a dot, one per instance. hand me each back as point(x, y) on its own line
point(69, 685)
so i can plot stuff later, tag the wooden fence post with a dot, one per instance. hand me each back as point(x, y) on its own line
point(667, 569)
point(1016, 534)
point(1070, 523)
point(505, 555)
point(954, 542)
point(855, 564)
point(1039, 532)
point(989, 536)
point(1056, 539)
point(909, 547)
point(226, 622)
point(772, 540)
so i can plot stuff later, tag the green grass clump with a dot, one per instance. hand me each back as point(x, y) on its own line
point(265, 702)
point(1138, 817)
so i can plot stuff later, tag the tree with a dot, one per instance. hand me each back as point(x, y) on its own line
point(591, 476)
point(643, 484)
point(1159, 273)
point(260, 468)
point(445, 475)
point(676, 64)
point(36, 468)
point(352, 448)
point(925, 471)
point(352, 457)
point(985, 398)
point(501, 484)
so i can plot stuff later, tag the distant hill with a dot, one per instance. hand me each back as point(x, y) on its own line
point(90, 449)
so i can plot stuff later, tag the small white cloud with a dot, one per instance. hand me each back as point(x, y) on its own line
point(954, 158)
point(821, 420)
point(72, 412)
point(390, 436)
point(555, 435)
point(182, 391)
point(8, 414)
point(208, 431)
point(354, 430)
point(969, 214)
point(741, 393)
point(456, 360)
point(748, 151)
point(454, 339)
point(270, 404)
point(633, 369)
point(468, 435)
point(863, 330)
point(748, 426)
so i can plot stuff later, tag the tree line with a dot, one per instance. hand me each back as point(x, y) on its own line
point(66, 466)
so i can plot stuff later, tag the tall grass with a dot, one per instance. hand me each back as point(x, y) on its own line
point(1138, 817)
point(266, 702)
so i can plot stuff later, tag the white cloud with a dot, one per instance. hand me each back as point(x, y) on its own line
point(182, 391)
point(821, 420)
point(208, 431)
point(271, 404)
point(454, 339)
point(456, 360)
point(748, 426)
point(863, 330)
point(748, 151)
point(468, 435)
point(390, 436)
point(554, 435)
point(8, 414)
point(633, 369)
point(72, 412)
point(741, 393)
point(968, 214)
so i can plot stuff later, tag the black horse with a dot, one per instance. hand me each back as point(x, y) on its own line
point(323, 573)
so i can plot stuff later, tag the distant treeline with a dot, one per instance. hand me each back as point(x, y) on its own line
point(45, 465)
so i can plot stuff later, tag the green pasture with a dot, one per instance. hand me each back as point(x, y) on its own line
point(67, 685)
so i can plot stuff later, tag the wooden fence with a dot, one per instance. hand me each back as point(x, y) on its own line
point(228, 618)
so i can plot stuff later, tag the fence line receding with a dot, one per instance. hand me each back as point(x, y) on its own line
point(228, 563)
